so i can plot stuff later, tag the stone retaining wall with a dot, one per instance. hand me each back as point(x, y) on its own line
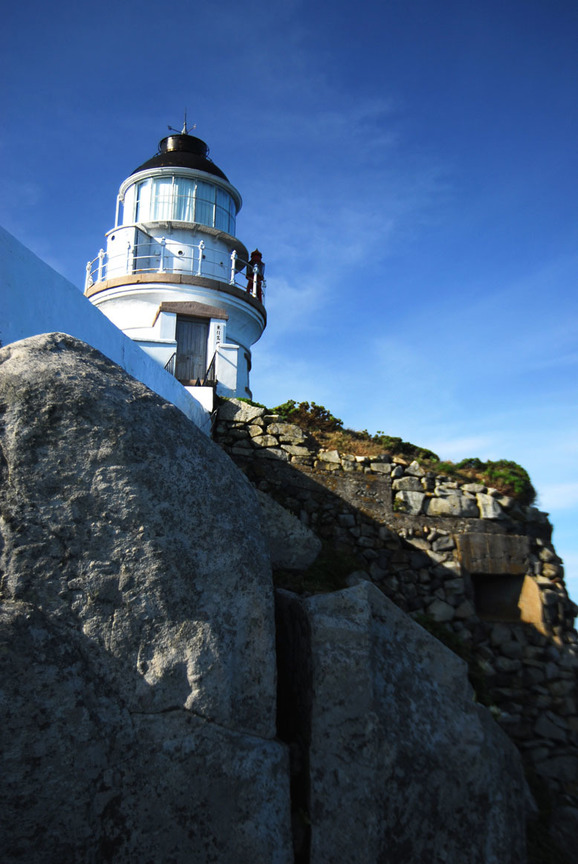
point(462, 554)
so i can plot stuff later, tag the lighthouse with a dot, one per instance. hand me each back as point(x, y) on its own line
point(175, 278)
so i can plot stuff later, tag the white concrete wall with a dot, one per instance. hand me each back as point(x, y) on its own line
point(35, 299)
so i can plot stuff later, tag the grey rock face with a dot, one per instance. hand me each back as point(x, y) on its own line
point(381, 467)
point(240, 412)
point(287, 432)
point(407, 484)
point(489, 507)
point(137, 656)
point(404, 765)
point(264, 441)
point(415, 469)
point(292, 545)
point(453, 505)
point(430, 551)
point(411, 502)
point(139, 660)
point(329, 456)
point(441, 611)
point(565, 830)
point(86, 780)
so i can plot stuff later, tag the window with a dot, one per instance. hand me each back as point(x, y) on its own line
point(146, 253)
point(162, 199)
point(143, 201)
point(205, 209)
point(222, 211)
point(184, 209)
point(181, 199)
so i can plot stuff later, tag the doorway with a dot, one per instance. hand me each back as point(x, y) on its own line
point(191, 361)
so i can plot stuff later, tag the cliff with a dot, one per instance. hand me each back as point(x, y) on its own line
point(157, 702)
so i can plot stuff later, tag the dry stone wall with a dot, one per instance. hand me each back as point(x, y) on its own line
point(460, 554)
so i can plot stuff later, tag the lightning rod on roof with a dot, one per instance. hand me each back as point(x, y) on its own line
point(185, 130)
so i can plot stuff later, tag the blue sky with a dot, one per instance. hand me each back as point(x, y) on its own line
point(408, 169)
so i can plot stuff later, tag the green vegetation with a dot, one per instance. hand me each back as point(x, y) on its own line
point(328, 431)
point(505, 475)
point(398, 447)
point(309, 416)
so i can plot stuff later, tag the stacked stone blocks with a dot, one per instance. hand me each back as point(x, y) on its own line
point(456, 553)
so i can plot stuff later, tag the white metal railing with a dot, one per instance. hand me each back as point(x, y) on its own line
point(193, 259)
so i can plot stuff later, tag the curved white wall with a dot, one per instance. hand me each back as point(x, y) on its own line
point(133, 307)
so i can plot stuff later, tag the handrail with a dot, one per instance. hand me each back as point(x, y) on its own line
point(209, 379)
point(210, 374)
point(170, 365)
point(194, 259)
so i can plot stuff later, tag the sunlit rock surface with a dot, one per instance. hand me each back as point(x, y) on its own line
point(138, 662)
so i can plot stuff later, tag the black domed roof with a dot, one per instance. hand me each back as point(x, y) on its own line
point(182, 151)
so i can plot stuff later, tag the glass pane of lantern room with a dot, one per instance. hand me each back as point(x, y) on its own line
point(143, 203)
point(205, 211)
point(222, 210)
point(184, 199)
point(146, 253)
point(161, 204)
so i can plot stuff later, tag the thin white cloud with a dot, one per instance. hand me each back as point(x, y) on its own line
point(455, 449)
point(559, 496)
point(292, 306)
point(277, 378)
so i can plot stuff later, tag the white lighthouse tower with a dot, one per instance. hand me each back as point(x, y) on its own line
point(174, 277)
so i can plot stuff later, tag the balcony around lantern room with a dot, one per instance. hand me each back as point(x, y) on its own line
point(173, 257)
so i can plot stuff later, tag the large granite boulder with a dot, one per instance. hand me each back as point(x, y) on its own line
point(138, 663)
point(404, 766)
point(87, 780)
